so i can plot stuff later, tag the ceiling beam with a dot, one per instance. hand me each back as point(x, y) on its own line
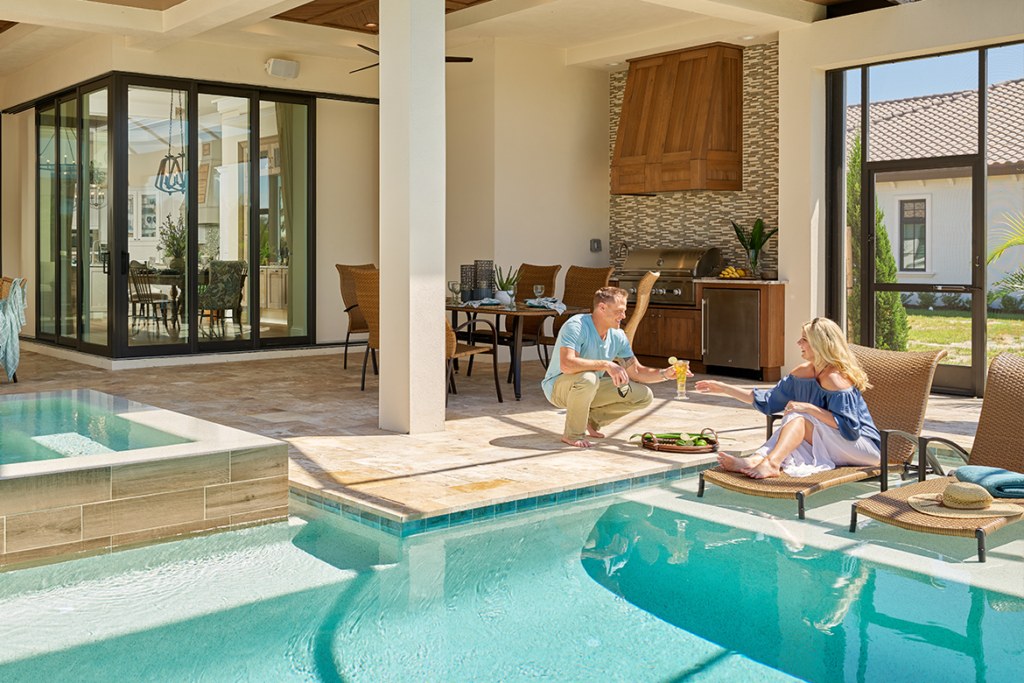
point(83, 16)
point(194, 17)
point(678, 37)
point(785, 13)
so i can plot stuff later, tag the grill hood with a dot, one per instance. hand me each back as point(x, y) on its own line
point(685, 261)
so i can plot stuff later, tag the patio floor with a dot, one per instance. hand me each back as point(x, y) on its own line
point(490, 454)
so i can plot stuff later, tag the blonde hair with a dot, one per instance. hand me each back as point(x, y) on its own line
point(828, 343)
point(608, 295)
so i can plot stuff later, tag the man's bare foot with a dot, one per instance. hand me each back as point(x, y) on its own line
point(762, 470)
point(735, 464)
point(578, 443)
point(593, 432)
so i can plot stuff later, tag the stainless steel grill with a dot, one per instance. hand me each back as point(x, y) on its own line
point(678, 268)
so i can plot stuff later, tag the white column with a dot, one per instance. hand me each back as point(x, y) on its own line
point(412, 215)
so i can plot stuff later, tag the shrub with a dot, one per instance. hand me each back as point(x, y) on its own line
point(1008, 303)
point(905, 299)
point(926, 299)
point(952, 302)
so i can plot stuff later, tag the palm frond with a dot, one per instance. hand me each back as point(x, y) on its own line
point(1014, 282)
point(1013, 232)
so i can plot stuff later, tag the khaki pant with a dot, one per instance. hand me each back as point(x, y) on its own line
point(590, 399)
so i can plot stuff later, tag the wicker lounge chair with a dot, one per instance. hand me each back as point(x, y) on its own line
point(901, 382)
point(643, 297)
point(356, 321)
point(580, 285)
point(455, 350)
point(998, 442)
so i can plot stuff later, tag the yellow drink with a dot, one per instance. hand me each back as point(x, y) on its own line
point(681, 367)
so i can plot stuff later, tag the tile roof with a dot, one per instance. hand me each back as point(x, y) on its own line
point(945, 125)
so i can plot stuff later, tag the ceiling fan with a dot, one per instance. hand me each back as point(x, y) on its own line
point(370, 49)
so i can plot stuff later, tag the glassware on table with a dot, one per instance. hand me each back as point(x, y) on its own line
point(455, 287)
point(681, 366)
point(538, 291)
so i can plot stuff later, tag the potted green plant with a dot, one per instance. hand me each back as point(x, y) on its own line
point(753, 243)
point(174, 242)
point(505, 285)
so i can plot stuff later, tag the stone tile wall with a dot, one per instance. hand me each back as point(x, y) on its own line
point(65, 513)
point(701, 217)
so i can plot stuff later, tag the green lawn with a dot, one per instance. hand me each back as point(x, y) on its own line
point(951, 330)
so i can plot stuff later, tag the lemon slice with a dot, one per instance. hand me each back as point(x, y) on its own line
point(673, 360)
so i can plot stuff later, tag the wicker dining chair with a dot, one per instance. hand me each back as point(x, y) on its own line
point(643, 298)
point(900, 384)
point(356, 321)
point(580, 285)
point(368, 294)
point(530, 275)
point(454, 350)
point(998, 442)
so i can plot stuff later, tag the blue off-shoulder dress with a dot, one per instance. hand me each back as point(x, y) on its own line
point(855, 443)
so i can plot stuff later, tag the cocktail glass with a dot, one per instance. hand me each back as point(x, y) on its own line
point(681, 367)
point(538, 291)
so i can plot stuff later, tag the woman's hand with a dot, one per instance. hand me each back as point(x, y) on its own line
point(801, 407)
point(710, 386)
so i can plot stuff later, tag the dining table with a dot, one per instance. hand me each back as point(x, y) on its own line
point(518, 311)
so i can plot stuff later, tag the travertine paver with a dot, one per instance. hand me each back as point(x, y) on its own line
point(489, 453)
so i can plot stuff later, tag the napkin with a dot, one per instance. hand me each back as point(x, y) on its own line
point(483, 302)
point(547, 302)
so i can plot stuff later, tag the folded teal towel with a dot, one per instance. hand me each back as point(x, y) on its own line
point(1000, 483)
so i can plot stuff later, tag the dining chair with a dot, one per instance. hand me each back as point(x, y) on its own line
point(368, 294)
point(356, 320)
point(530, 275)
point(143, 297)
point(455, 350)
point(580, 285)
point(223, 293)
point(643, 298)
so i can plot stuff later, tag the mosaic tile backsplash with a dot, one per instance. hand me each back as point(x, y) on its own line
point(702, 217)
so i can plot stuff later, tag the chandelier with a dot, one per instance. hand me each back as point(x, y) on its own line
point(171, 177)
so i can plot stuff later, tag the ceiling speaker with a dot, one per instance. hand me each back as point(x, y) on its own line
point(282, 68)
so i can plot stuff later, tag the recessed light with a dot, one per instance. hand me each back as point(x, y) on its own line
point(747, 37)
point(614, 63)
point(371, 25)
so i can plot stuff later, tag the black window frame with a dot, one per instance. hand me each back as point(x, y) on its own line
point(923, 225)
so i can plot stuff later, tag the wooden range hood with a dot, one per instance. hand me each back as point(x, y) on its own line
point(681, 126)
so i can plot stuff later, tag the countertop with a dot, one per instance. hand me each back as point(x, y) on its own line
point(737, 281)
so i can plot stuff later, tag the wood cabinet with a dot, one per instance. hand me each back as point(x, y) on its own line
point(274, 287)
point(681, 125)
point(669, 331)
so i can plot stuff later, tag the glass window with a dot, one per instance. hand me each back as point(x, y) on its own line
point(47, 323)
point(284, 228)
point(95, 218)
point(912, 234)
point(158, 204)
point(67, 219)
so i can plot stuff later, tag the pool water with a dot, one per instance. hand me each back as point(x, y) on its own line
point(602, 590)
point(51, 427)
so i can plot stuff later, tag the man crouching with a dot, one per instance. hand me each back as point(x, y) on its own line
point(588, 346)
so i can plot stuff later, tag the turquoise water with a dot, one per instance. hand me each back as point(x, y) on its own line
point(59, 427)
point(609, 590)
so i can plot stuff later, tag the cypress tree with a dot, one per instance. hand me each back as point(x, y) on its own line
point(891, 325)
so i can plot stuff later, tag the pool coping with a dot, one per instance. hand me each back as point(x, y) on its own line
point(404, 526)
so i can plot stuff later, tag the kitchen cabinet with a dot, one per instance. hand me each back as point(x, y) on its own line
point(669, 331)
point(274, 287)
point(681, 125)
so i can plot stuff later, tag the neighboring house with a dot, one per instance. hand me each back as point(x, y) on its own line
point(933, 207)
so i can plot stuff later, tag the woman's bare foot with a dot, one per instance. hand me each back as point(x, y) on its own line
point(578, 443)
point(593, 432)
point(735, 464)
point(762, 470)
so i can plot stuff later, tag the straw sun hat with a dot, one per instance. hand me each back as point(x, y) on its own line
point(961, 499)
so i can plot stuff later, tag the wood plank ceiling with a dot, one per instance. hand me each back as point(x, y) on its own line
point(352, 15)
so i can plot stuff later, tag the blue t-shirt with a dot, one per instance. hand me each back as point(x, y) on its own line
point(846, 405)
point(579, 333)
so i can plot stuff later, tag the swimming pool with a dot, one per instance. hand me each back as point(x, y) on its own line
point(617, 589)
point(50, 426)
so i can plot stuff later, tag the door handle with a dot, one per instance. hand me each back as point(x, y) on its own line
point(124, 263)
point(105, 260)
point(952, 288)
point(703, 328)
